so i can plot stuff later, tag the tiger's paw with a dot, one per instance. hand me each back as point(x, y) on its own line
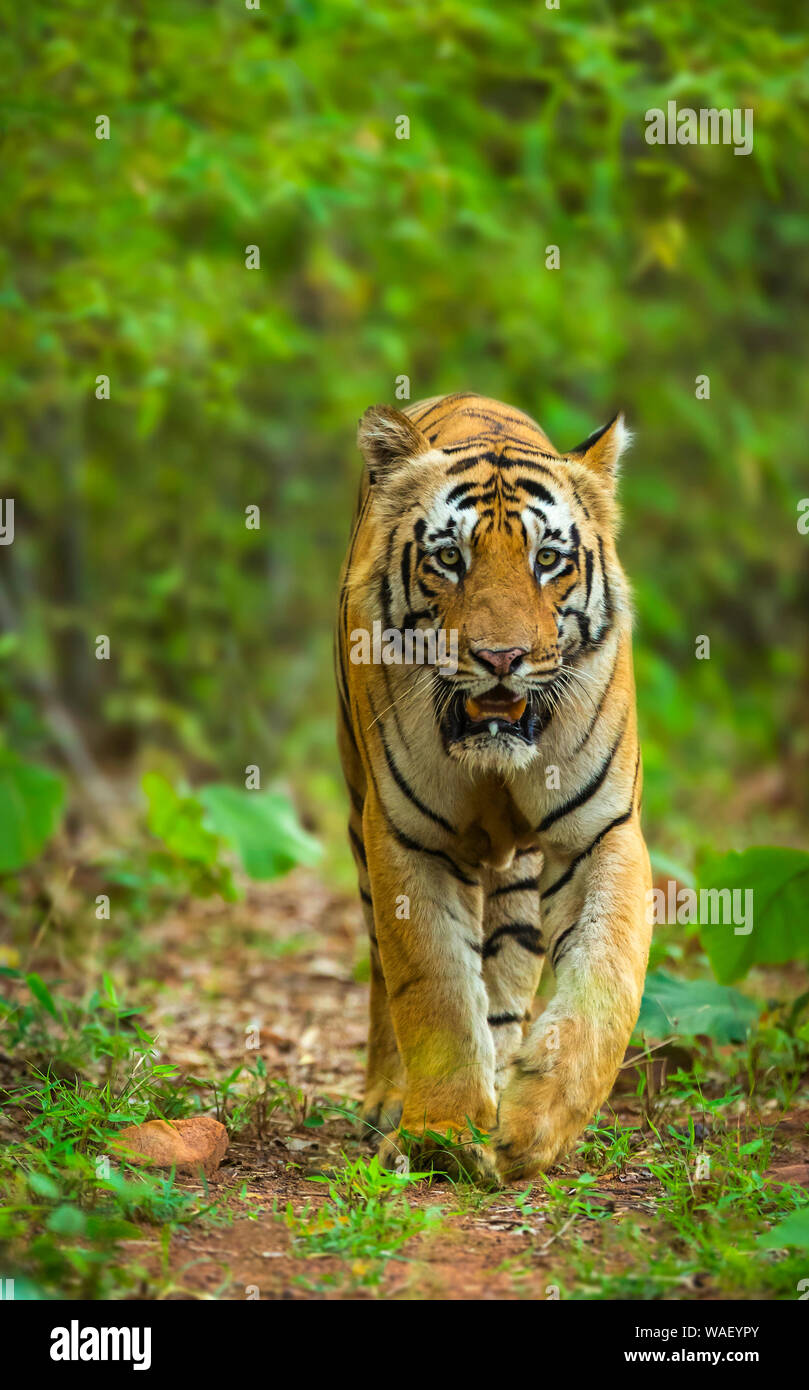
point(535, 1126)
point(448, 1148)
point(381, 1111)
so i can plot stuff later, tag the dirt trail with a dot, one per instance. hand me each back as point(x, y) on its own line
point(280, 978)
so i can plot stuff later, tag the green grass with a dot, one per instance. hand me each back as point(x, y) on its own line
point(699, 1146)
point(707, 1207)
point(67, 1208)
point(365, 1221)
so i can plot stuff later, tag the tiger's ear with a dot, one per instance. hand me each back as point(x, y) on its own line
point(602, 449)
point(388, 439)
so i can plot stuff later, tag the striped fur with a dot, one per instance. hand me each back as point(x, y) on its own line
point(485, 849)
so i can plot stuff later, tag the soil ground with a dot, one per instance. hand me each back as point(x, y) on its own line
point(283, 973)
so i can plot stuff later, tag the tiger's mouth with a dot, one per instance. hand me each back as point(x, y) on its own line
point(496, 712)
point(497, 703)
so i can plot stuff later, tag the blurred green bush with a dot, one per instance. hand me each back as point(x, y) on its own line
point(383, 257)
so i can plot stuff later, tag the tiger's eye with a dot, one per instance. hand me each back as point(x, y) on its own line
point(449, 555)
point(547, 557)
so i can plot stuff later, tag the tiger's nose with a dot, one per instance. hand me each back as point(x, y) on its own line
point(500, 663)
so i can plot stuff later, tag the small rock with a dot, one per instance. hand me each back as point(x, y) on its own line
point(199, 1142)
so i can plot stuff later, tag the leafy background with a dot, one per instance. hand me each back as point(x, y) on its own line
point(382, 257)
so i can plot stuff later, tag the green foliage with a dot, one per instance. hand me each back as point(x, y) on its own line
point(192, 852)
point(31, 800)
point(197, 828)
point(262, 827)
point(66, 1210)
point(365, 1221)
point(382, 257)
point(684, 1008)
point(792, 1231)
point(779, 882)
point(69, 1034)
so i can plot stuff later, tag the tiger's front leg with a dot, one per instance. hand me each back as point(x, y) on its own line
point(598, 947)
point(428, 915)
point(513, 955)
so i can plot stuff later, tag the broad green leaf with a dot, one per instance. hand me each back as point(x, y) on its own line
point(777, 881)
point(793, 1230)
point(31, 799)
point(684, 1008)
point(67, 1221)
point(43, 1185)
point(176, 819)
point(262, 827)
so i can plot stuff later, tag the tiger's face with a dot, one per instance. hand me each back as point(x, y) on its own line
point(508, 549)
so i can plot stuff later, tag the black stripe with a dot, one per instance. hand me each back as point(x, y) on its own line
point(405, 570)
point(536, 490)
point(411, 618)
point(500, 421)
point(366, 897)
point(385, 597)
point(464, 464)
point(515, 454)
point(408, 984)
point(347, 721)
point(475, 441)
point(404, 786)
point(578, 498)
point(569, 872)
point(608, 604)
point(524, 933)
point(583, 622)
point(497, 1020)
point(605, 692)
point(358, 845)
point(590, 788)
point(437, 405)
point(458, 491)
point(588, 569)
point(407, 843)
point(523, 883)
point(556, 953)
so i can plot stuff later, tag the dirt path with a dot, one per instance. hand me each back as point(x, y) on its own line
point(280, 979)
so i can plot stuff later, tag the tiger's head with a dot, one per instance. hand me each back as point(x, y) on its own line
point(490, 535)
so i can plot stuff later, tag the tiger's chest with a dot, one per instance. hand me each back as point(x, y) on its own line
point(495, 825)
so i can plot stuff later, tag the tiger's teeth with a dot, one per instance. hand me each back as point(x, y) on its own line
point(493, 727)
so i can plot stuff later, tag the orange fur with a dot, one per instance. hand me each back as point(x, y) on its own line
point(488, 843)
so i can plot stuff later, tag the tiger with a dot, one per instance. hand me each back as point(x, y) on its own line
point(494, 792)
